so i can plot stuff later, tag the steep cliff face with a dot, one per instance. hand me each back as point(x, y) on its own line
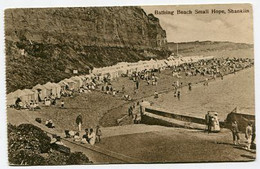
point(47, 44)
point(110, 26)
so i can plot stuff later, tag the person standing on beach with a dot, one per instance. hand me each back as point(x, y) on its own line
point(189, 86)
point(156, 95)
point(137, 84)
point(79, 122)
point(177, 83)
point(207, 121)
point(235, 132)
point(123, 89)
point(179, 95)
point(130, 111)
point(62, 104)
point(248, 135)
point(98, 134)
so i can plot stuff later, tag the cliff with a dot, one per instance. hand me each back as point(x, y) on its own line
point(48, 44)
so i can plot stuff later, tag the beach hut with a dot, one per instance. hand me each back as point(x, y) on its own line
point(36, 95)
point(53, 89)
point(27, 95)
point(57, 90)
point(71, 83)
point(113, 74)
point(64, 85)
point(10, 99)
point(17, 94)
point(78, 80)
point(50, 89)
point(41, 91)
point(20, 94)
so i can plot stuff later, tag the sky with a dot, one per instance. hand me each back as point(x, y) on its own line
point(200, 27)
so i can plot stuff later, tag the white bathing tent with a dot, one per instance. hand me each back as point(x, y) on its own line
point(122, 68)
point(113, 74)
point(70, 83)
point(153, 64)
point(41, 91)
point(27, 95)
point(36, 95)
point(53, 89)
point(63, 85)
point(83, 79)
point(57, 90)
point(50, 89)
point(78, 80)
point(10, 99)
point(17, 94)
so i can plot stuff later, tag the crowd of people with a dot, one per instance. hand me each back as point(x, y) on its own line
point(215, 67)
point(211, 68)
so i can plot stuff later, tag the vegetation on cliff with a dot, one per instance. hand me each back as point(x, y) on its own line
point(29, 145)
point(48, 44)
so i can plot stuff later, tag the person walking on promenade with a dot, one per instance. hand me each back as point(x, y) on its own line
point(98, 134)
point(79, 121)
point(130, 111)
point(248, 135)
point(235, 132)
point(208, 122)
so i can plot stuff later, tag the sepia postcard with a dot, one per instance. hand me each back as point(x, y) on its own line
point(130, 84)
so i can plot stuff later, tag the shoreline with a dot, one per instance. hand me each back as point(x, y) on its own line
point(170, 90)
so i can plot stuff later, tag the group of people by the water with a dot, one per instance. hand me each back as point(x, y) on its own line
point(212, 68)
point(216, 67)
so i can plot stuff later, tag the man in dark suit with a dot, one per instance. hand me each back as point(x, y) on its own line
point(208, 121)
point(79, 121)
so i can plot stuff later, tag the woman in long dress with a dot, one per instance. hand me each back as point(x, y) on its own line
point(215, 127)
point(92, 137)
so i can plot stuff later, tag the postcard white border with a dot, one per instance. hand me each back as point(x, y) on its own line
point(77, 3)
